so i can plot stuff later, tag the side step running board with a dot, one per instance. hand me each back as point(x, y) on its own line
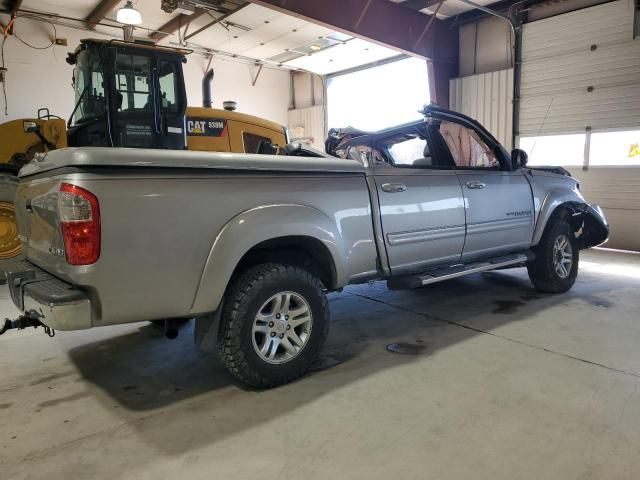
point(420, 279)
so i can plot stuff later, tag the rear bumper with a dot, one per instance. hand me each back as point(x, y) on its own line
point(54, 303)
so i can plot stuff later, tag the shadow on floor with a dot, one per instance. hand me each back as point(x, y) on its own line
point(142, 371)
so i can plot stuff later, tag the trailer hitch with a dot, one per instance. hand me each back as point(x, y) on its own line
point(25, 321)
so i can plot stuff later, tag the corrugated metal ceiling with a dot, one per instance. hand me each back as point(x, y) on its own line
point(253, 32)
point(450, 8)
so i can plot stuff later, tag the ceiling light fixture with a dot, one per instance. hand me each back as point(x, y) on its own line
point(129, 15)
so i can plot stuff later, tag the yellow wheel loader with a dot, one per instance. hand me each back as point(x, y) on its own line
point(126, 95)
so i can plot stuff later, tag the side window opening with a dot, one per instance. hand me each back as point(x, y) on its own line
point(412, 150)
point(466, 147)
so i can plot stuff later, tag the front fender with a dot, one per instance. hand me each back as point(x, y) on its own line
point(595, 228)
point(252, 227)
point(551, 202)
point(589, 218)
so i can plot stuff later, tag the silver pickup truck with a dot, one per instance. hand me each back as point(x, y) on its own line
point(248, 245)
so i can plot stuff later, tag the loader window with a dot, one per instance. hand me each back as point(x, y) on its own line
point(168, 87)
point(89, 89)
point(133, 82)
point(252, 142)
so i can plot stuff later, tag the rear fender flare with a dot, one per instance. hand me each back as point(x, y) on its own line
point(253, 227)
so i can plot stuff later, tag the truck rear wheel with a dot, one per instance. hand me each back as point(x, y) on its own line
point(10, 248)
point(274, 322)
point(555, 267)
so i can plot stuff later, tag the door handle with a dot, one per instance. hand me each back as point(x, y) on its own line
point(476, 185)
point(393, 187)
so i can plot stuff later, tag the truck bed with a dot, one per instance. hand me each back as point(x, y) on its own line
point(163, 213)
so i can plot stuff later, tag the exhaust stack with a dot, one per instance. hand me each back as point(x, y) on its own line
point(206, 88)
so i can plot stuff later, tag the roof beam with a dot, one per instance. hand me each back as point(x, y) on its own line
point(215, 21)
point(418, 4)
point(379, 21)
point(179, 21)
point(99, 13)
point(175, 24)
point(13, 6)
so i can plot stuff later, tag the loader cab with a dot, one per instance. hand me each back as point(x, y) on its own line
point(128, 95)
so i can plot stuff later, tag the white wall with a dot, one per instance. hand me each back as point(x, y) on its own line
point(487, 97)
point(269, 98)
point(307, 117)
point(42, 78)
point(308, 90)
point(485, 46)
point(617, 191)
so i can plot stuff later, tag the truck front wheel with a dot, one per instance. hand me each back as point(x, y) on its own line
point(274, 322)
point(555, 266)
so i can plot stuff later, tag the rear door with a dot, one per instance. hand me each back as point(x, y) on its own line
point(421, 205)
point(498, 200)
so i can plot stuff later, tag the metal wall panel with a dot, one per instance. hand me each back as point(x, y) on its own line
point(488, 98)
point(308, 124)
point(581, 69)
point(617, 190)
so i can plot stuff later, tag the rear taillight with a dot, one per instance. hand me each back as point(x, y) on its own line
point(80, 221)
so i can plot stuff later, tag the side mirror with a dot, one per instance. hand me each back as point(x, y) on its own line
point(519, 158)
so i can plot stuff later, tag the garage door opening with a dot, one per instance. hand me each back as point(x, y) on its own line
point(378, 97)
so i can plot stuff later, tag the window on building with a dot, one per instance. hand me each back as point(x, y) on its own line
point(615, 148)
point(560, 150)
point(378, 97)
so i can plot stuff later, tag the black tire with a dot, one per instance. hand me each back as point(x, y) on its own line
point(542, 270)
point(8, 187)
point(245, 297)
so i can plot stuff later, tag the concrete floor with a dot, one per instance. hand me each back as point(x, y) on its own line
point(505, 383)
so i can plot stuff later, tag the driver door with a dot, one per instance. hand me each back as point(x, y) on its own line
point(498, 201)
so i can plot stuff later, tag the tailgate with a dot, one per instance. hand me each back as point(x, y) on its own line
point(38, 222)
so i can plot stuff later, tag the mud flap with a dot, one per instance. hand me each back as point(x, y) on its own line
point(205, 334)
